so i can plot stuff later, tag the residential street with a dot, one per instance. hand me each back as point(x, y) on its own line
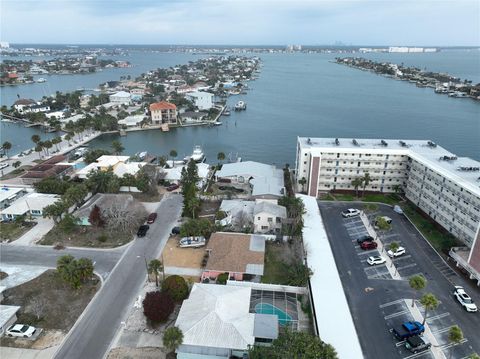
point(93, 333)
point(105, 259)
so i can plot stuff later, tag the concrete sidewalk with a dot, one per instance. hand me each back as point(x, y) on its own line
point(183, 271)
point(43, 226)
point(17, 353)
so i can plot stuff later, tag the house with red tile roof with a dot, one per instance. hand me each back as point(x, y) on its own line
point(163, 112)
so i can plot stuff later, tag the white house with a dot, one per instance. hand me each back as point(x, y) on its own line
point(131, 121)
point(119, 164)
point(192, 117)
point(8, 316)
point(8, 195)
point(32, 204)
point(268, 217)
point(203, 100)
point(121, 98)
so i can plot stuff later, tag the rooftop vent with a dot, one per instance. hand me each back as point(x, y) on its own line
point(337, 142)
point(468, 169)
point(431, 144)
point(354, 141)
point(448, 158)
point(402, 143)
point(384, 143)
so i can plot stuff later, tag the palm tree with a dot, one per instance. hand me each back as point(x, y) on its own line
point(172, 338)
point(393, 247)
point(430, 302)
point(155, 266)
point(455, 337)
point(173, 154)
point(36, 139)
point(302, 181)
point(39, 148)
point(6, 147)
point(357, 182)
point(16, 164)
point(221, 156)
point(366, 181)
point(47, 144)
point(417, 282)
point(117, 147)
point(56, 141)
point(68, 137)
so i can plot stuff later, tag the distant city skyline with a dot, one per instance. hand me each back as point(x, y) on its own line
point(263, 22)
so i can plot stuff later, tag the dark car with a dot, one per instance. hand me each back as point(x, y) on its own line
point(230, 188)
point(172, 187)
point(176, 230)
point(142, 231)
point(365, 238)
point(368, 245)
point(417, 344)
point(151, 218)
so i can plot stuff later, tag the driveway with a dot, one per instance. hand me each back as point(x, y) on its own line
point(43, 226)
point(92, 335)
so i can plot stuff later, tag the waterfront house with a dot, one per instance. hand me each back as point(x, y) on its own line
point(266, 181)
point(237, 254)
point(20, 104)
point(131, 121)
point(203, 100)
point(121, 98)
point(192, 117)
point(30, 204)
point(53, 167)
point(103, 201)
point(119, 164)
point(163, 112)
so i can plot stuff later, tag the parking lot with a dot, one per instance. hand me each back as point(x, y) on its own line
point(378, 295)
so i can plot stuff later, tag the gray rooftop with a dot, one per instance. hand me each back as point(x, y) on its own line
point(461, 170)
point(271, 208)
point(104, 200)
point(257, 243)
point(265, 326)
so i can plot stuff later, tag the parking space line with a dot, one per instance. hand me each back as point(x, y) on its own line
point(418, 354)
point(366, 252)
point(407, 266)
point(447, 346)
point(396, 314)
point(399, 344)
point(391, 303)
point(443, 315)
point(440, 331)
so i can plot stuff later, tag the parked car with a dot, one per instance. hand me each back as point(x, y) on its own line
point(400, 251)
point(142, 230)
point(368, 245)
point(464, 299)
point(374, 260)
point(151, 218)
point(20, 330)
point(351, 212)
point(195, 242)
point(176, 230)
point(407, 330)
point(397, 209)
point(417, 344)
point(365, 238)
point(172, 187)
point(3, 165)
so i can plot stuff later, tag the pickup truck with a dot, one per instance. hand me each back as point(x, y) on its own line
point(407, 330)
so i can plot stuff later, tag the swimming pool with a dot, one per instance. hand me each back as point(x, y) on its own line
point(266, 308)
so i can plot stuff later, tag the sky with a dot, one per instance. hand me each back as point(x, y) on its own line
point(242, 22)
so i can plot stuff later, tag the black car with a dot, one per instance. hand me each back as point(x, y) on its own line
point(364, 238)
point(417, 344)
point(176, 230)
point(142, 231)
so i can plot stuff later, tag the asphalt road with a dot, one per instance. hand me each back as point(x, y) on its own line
point(369, 292)
point(104, 259)
point(93, 333)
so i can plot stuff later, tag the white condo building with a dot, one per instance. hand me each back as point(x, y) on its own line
point(442, 185)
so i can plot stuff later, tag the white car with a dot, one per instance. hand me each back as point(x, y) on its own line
point(464, 299)
point(20, 330)
point(400, 251)
point(375, 260)
point(351, 212)
point(3, 165)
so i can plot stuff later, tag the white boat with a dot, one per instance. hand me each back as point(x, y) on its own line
point(186, 242)
point(217, 123)
point(197, 155)
point(41, 79)
point(240, 106)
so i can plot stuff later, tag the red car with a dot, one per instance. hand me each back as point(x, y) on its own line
point(172, 187)
point(368, 245)
point(151, 218)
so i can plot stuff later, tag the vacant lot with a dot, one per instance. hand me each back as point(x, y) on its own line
point(86, 236)
point(276, 270)
point(12, 231)
point(49, 303)
point(174, 256)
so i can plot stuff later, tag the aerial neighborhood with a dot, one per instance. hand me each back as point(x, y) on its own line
point(106, 254)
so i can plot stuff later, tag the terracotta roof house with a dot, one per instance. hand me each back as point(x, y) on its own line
point(236, 254)
point(163, 112)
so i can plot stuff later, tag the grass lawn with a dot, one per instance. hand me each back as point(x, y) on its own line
point(86, 236)
point(442, 242)
point(15, 173)
point(11, 231)
point(60, 304)
point(388, 198)
point(276, 269)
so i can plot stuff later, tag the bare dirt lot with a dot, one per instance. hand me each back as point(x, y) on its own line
point(175, 256)
point(47, 302)
point(86, 236)
point(138, 353)
point(11, 231)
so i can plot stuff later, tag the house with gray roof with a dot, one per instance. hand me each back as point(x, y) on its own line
point(103, 201)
